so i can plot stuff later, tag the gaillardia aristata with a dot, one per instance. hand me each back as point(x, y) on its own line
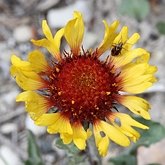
point(75, 93)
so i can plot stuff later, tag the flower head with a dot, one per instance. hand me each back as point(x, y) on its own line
point(75, 93)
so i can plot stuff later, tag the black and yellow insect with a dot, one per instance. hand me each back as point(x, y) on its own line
point(117, 48)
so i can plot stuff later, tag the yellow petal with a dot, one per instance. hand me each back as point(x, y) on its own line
point(74, 31)
point(52, 44)
point(109, 36)
point(122, 36)
point(129, 131)
point(27, 96)
point(80, 143)
point(28, 81)
point(97, 133)
point(49, 45)
point(129, 72)
point(151, 69)
point(62, 125)
point(17, 62)
point(35, 104)
point(25, 77)
point(79, 136)
point(126, 54)
point(127, 42)
point(153, 80)
point(126, 123)
point(137, 88)
point(14, 71)
point(36, 111)
point(143, 59)
point(42, 42)
point(131, 41)
point(102, 141)
point(137, 105)
point(79, 131)
point(38, 61)
point(114, 134)
point(66, 138)
point(135, 134)
point(129, 56)
point(139, 80)
point(47, 119)
point(57, 38)
point(130, 121)
point(103, 146)
point(46, 30)
point(134, 38)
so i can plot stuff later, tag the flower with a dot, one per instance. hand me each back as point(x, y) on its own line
point(75, 93)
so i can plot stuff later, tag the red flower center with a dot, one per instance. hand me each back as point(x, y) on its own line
point(83, 88)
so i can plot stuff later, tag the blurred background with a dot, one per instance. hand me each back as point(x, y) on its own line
point(20, 21)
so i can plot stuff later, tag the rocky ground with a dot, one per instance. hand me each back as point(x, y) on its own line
point(20, 20)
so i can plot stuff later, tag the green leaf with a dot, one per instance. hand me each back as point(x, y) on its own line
point(138, 9)
point(33, 151)
point(70, 148)
point(124, 160)
point(161, 27)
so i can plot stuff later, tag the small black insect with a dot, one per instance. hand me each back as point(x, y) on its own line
point(116, 50)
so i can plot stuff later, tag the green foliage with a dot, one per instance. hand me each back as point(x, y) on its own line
point(124, 160)
point(138, 9)
point(153, 135)
point(33, 151)
point(74, 155)
point(161, 27)
point(70, 148)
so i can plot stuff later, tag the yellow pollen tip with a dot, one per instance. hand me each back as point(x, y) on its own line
point(59, 93)
point(57, 69)
point(51, 77)
point(108, 93)
point(73, 101)
point(114, 84)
